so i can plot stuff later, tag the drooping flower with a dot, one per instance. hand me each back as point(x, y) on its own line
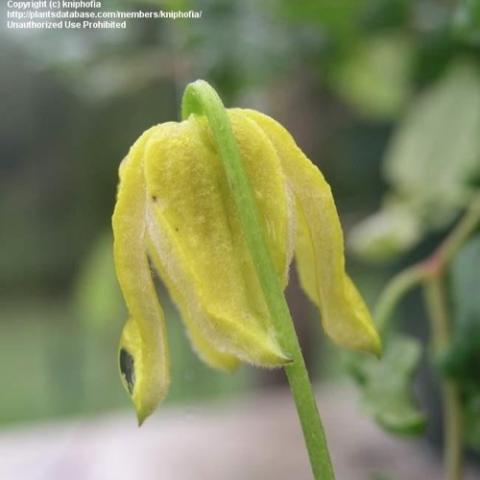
point(175, 210)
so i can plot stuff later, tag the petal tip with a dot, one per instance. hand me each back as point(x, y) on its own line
point(276, 357)
point(271, 357)
point(285, 360)
point(377, 348)
point(142, 415)
point(373, 343)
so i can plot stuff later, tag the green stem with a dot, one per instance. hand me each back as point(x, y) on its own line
point(452, 408)
point(434, 265)
point(395, 290)
point(201, 99)
point(430, 272)
point(460, 233)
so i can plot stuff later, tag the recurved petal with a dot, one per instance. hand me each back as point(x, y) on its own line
point(320, 250)
point(144, 361)
point(196, 234)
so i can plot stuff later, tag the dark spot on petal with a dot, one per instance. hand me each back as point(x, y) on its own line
point(127, 367)
point(177, 229)
point(154, 198)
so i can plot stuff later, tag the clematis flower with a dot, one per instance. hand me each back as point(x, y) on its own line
point(175, 212)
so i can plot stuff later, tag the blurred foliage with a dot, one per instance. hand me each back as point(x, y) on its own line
point(101, 88)
point(471, 422)
point(466, 21)
point(432, 165)
point(386, 385)
point(96, 297)
point(463, 358)
point(384, 61)
point(461, 361)
point(432, 170)
point(347, 77)
point(68, 360)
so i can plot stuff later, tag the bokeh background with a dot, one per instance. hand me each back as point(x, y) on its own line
point(341, 76)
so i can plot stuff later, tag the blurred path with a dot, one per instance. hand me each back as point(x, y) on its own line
point(255, 438)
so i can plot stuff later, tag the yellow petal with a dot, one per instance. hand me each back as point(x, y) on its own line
point(320, 249)
point(144, 360)
point(201, 345)
point(196, 234)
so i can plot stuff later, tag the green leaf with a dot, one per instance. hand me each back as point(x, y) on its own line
point(462, 359)
point(385, 234)
point(432, 163)
point(436, 151)
point(386, 384)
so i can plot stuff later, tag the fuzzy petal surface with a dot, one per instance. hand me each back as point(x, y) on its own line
point(143, 354)
point(199, 247)
point(320, 249)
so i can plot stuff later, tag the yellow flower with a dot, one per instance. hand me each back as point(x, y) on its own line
point(175, 209)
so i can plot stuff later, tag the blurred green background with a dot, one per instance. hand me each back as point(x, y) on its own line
point(341, 76)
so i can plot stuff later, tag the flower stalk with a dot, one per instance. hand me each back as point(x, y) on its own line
point(199, 98)
point(219, 204)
